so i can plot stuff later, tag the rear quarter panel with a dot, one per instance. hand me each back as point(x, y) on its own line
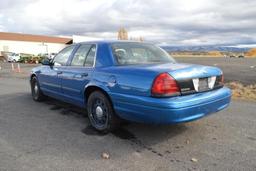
point(119, 79)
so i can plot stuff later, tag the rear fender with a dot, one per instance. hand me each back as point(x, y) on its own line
point(93, 84)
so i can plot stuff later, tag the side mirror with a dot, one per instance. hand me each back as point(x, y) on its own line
point(47, 62)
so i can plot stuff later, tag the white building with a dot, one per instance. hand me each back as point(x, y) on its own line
point(78, 38)
point(31, 44)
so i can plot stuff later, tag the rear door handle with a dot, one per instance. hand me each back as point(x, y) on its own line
point(79, 76)
point(84, 75)
point(59, 72)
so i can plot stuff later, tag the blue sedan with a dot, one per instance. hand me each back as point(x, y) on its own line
point(140, 82)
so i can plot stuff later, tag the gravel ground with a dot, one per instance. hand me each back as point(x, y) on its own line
point(56, 136)
point(6, 70)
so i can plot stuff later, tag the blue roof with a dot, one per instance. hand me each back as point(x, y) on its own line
point(111, 41)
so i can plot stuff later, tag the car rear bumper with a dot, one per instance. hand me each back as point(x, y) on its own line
point(170, 110)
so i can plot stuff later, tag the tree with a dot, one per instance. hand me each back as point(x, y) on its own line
point(122, 34)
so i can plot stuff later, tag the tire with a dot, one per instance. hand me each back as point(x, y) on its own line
point(101, 113)
point(36, 92)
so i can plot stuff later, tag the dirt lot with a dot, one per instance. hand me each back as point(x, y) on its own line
point(56, 136)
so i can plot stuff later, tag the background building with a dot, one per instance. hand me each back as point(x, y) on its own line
point(31, 44)
point(78, 38)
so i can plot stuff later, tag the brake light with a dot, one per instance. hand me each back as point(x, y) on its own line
point(222, 79)
point(165, 85)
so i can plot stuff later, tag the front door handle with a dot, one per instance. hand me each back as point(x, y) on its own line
point(59, 72)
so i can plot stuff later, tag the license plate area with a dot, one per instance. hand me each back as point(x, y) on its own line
point(200, 84)
point(190, 86)
point(203, 84)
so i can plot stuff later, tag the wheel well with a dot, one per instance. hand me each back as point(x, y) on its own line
point(91, 89)
point(32, 76)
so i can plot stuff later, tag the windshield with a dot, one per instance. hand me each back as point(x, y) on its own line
point(139, 53)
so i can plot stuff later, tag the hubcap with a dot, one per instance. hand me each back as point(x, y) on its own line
point(99, 112)
point(36, 89)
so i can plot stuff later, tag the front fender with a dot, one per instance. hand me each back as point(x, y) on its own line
point(33, 72)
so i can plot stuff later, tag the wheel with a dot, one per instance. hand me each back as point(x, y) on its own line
point(101, 113)
point(36, 92)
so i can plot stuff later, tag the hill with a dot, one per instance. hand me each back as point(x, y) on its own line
point(251, 53)
point(215, 54)
point(197, 54)
point(203, 49)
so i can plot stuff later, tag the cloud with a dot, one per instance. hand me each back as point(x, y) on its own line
point(183, 22)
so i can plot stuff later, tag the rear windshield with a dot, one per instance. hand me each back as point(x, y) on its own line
point(139, 53)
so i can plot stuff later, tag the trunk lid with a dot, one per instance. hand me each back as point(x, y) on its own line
point(197, 78)
point(191, 78)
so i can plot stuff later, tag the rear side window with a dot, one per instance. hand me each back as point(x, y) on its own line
point(62, 57)
point(84, 56)
point(80, 55)
point(90, 57)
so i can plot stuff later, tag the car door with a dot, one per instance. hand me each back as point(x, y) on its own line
point(79, 72)
point(49, 77)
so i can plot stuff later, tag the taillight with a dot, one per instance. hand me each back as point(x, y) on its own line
point(222, 79)
point(165, 85)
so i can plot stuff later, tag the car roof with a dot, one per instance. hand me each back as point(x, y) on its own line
point(111, 41)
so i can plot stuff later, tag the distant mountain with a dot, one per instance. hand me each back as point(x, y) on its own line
point(203, 48)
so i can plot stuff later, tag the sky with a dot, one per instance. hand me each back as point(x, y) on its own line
point(167, 22)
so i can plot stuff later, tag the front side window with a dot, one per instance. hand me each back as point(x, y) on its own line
point(62, 57)
point(139, 53)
